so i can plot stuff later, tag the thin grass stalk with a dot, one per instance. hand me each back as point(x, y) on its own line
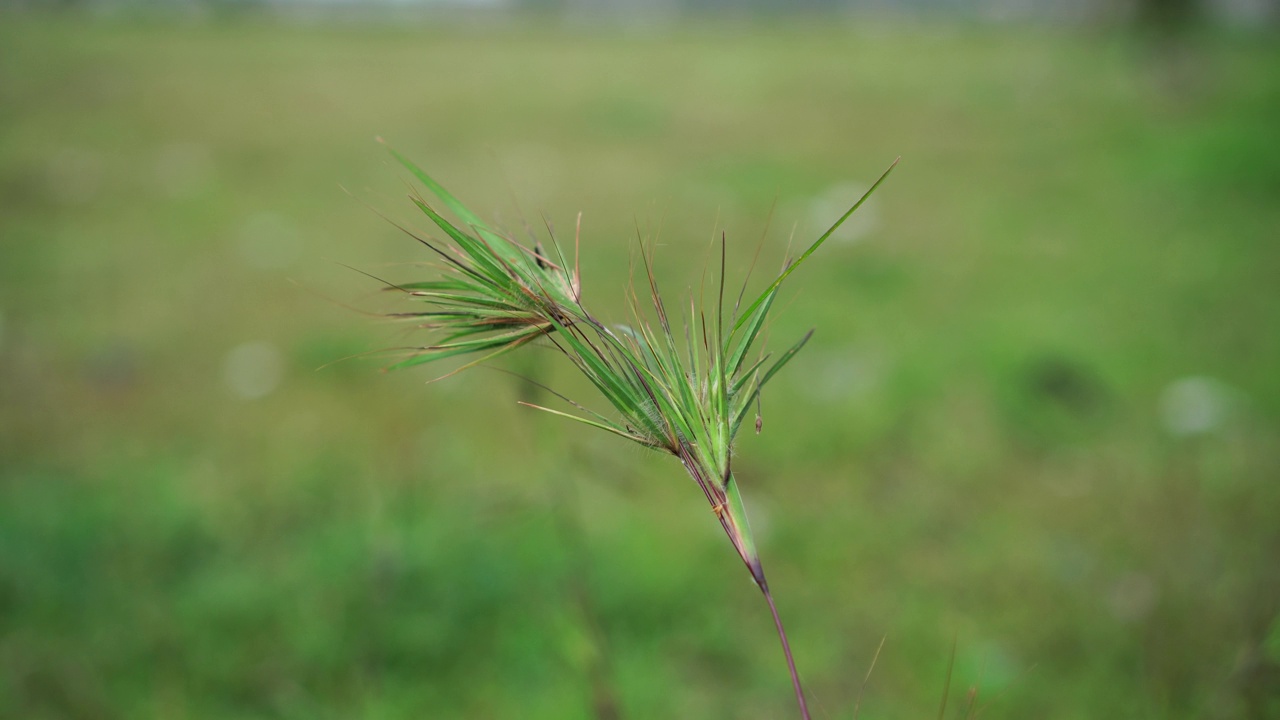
point(786, 650)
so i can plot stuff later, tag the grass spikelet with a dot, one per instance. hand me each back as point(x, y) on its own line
point(679, 384)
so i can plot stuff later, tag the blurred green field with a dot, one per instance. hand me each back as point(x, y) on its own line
point(1040, 416)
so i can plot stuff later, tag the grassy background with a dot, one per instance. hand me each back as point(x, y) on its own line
point(1040, 416)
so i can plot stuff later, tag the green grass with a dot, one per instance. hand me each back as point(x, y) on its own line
point(971, 446)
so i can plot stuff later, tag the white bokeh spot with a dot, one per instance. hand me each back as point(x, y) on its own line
point(253, 370)
point(1195, 405)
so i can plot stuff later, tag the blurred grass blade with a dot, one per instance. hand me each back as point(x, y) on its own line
point(817, 243)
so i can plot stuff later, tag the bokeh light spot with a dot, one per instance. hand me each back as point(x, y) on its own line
point(253, 370)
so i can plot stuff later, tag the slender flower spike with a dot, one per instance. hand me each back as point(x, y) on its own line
point(684, 393)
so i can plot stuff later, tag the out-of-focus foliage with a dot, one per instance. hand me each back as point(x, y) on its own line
point(1040, 414)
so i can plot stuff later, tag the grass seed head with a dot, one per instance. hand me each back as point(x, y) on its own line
point(686, 394)
point(685, 390)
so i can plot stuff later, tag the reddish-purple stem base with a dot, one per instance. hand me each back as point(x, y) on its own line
point(786, 649)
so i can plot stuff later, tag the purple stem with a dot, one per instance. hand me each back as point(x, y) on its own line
point(717, 498)
point(786, 649)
